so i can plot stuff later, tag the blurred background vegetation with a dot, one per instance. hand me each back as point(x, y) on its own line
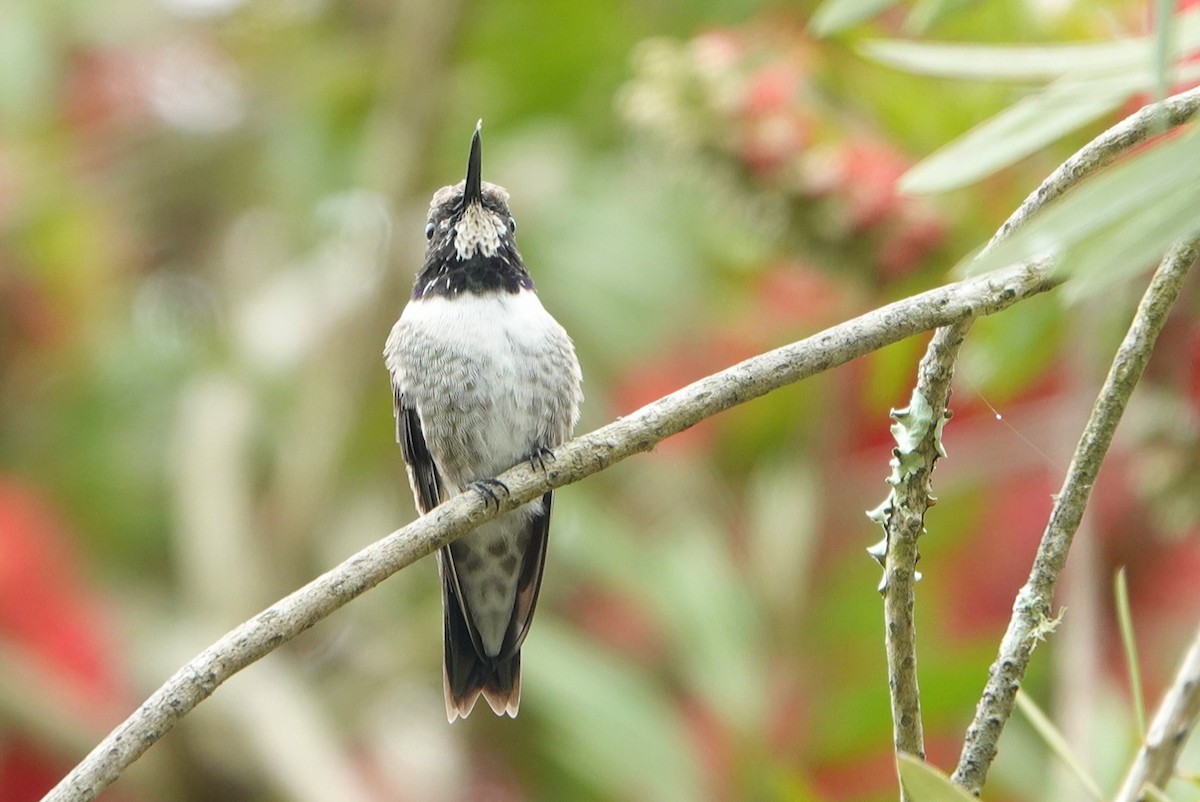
point(212, 210)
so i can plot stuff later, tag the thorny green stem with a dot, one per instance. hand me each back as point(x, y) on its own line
point(905, 522)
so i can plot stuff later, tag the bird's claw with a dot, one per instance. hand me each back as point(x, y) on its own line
point(488, 489)
point(539, 457)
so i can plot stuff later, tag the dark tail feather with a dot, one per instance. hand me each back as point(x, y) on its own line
point(466, 675)
point(466, 672)
point(500, 686)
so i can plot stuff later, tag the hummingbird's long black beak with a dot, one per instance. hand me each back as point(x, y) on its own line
point(473, 190)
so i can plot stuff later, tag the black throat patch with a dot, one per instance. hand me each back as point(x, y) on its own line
point(451, 276)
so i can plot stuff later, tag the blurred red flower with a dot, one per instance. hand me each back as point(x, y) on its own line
point(51, 617)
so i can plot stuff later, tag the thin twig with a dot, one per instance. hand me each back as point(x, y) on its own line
point(1174, 721)
point(1103, 151)
point(1053, 737)
point(581, 457)
point(1031, 619)
point(918, 433)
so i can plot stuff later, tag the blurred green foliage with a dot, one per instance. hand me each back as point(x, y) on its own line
point(210, 213)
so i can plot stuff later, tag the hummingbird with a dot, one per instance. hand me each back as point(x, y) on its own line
point(482, 378)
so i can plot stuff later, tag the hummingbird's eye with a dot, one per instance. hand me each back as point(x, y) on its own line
point(429, 229)
point(512, 225)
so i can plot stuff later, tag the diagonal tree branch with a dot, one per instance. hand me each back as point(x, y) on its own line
point(1031, 619)
point(1169, 731)
point(581, 457)
point(1104, 150)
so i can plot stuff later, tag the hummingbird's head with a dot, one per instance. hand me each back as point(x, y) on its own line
point(471, 234)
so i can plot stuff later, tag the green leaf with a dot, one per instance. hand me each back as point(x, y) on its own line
point(27, 61)
point(836, 15)
point(781, 529)
point(1132, 244)
point(1163, 28)
point(923, 783)
point(1116, 221)
point(1027, 126)
point(1003, 63)
point(1154, 793)
point(1125, 622)
point(1027, 63)
point(1057, 743)
point(926, 13)
point(718, 632)
point(1090, 81)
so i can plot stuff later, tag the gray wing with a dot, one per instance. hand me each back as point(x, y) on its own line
point(529, 582)
point(422, 472)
